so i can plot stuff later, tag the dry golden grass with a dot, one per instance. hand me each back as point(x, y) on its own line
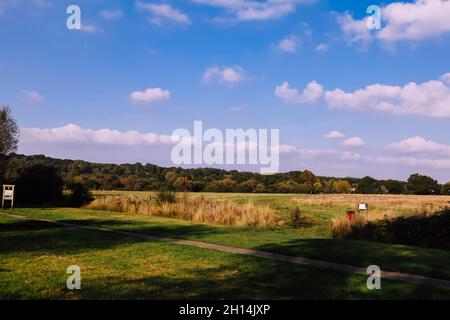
point(380, 207)
point(196, 209)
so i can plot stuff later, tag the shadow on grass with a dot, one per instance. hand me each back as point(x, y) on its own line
point(401, 258)
point(228, 277)
point(398, 258)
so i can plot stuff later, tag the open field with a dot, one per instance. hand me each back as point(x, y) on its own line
point(321, 209)
point(34, 255)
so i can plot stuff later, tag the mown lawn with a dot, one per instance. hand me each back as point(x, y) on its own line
point(34, 257)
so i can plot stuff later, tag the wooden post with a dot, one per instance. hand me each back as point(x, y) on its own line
point(8, 194)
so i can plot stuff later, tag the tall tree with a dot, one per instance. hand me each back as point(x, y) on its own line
point(9, 133)
point(419, 184)
point(446, 189)
point(368, 185)
point(9, 137)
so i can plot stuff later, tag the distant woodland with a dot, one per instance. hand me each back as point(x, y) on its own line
point(147, 177)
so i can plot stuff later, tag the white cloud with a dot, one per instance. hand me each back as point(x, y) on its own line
point(238, 108)
point(163, 12)
point(312, 92)
point(420, 145)
point(246, 10)
point(445, 78)
point(334, 135)
point(111, 14)
point(73, 133)
point(353, 142)
point(321, 47)
point(289, 44)
point(230, 75)
point(415, 21)
point(430, 99)
point(410, 161)
point(356, 31)
point(346, 156)
point(410, 21)
point(90, 28)
point(150, 95)
point(32, 96)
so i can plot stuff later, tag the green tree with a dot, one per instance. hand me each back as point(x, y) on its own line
point(307, 177)
point(342, 186)
point(368, 185)
point(9, 133)
point(39, 184)
point(318, 188)
point(9, 137)
point(247, 185)
point(421, 184)
point(394, 186)
point(182, 184)
point(287, 186)
point(446, 189)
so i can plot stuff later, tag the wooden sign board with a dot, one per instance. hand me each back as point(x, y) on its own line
point(363, 206)
point(8, 194)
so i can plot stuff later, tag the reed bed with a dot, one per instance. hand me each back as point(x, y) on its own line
point(196, 209)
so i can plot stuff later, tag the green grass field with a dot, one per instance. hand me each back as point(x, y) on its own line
point(34, 257)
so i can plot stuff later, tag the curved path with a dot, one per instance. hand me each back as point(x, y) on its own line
point(406, 277)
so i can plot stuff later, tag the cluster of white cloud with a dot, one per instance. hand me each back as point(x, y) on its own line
point(111, 14)
point(312, 92)
point(238, 108)
point(350, 142)
point(229, 75)
point(289, 44)
point(346, 156)
point(72, 133)
point(415, 21)
point(334, 135)
point(411, 21)
point(150, 95)
point(420, 145)
point(90, 28)
point(430, 98)
point(245, 10)
point(162, 12)
point(353, 142)
point(321, 47)
point(356, 31)
point(33, 97)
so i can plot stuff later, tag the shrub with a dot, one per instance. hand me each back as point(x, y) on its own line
point(79, 195)
point(166, 197)
point(299, 219)
point(420, 230)
point(39, 184)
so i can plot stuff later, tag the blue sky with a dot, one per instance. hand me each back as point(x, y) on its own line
point(221, 61)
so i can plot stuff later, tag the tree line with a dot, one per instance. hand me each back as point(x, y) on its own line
point(147, 177)
point(31, 172)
